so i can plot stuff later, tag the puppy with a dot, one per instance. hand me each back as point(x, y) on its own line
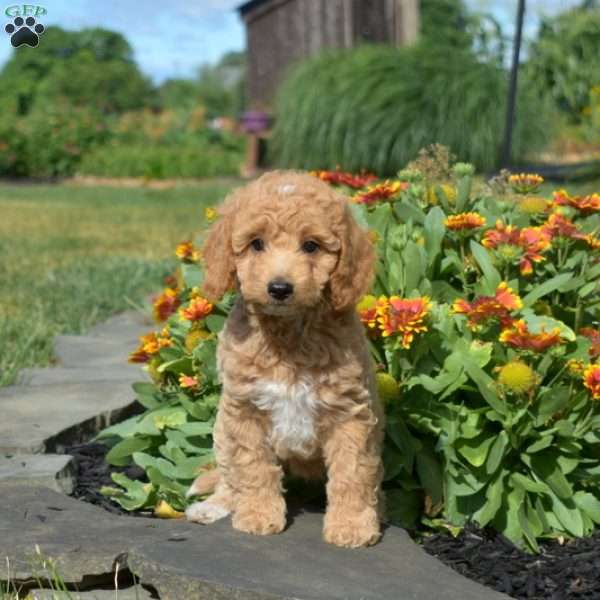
point(298, 383)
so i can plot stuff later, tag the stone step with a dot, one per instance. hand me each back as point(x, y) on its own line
point(127, 325)
point(36, 418)
point(51, 375)
point(89, 351)
point(183, 560)
point(54, 471)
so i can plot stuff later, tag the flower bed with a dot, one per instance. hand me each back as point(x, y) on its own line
point(483, 320)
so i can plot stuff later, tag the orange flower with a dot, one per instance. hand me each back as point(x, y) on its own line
point(559, 225)
point(197, 309)
point(188, 382)
point(591, 380)
point(347, 179)
point(594, 336)
point(150, 344)
point(524, 183)
point(165, 304)
point(381, 191)
point(530, 242)
point(518, 336)
point(483, 308)
point(468, 220)
point(186, 252)
point(402, 315)
point(584, 204)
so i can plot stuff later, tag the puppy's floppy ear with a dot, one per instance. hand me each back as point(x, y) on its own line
point(354, 272)
point(217, 255)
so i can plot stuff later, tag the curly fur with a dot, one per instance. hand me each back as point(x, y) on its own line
point(298, 389)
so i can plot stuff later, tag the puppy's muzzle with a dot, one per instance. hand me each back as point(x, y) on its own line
point(279, 289)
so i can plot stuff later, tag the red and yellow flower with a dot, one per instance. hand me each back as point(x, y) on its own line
point(188, 382)
point(484, 308)
point(518, 336)
point(197, 309)
point(187, 252)
point(367, 311)
point(558, 225)
point(150, 345)
point(210, 214)
point(525, 183)
point(529, 242)
point(462, 221)
point(165, 304)
point(591, 380)
point(381, 191)
point(404, 316)
point(586, 205)
point(348, 179)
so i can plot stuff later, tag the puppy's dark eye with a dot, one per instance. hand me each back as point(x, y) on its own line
point(257, 244)
point(310, 247)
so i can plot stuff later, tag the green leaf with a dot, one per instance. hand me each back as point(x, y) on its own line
point(147, 394)
point(527, 484)
point(476, 450)
point(491, 276)
point(568, 514)
point(546, 288)
point(192, 275)
point(430, 473)
point(493, 495)
point(173, 419)
point(434, 230)
point(414, 267)
point(177, 366)
point(540, 444)
point(486, 386)
point(496, 453)
point(545, 466)
point(215, 323)
point(196, 429)
point(589, 504)
point(539, 323)
point(120, 454)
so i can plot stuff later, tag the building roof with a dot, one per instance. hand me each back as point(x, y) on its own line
point(248, 6)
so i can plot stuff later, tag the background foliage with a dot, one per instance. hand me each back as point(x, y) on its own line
point(75, 107)
point(375, 107)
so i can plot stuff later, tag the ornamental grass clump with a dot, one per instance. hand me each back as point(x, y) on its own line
point(483, 323)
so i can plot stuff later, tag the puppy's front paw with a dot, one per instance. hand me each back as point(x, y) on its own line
point(205, 512)
point(260, 518)
point(351, 530)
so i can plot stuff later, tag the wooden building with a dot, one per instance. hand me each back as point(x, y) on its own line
point(281, 32)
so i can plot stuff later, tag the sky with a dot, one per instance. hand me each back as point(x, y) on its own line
point(173, 38)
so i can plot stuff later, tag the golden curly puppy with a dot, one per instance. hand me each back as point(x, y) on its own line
point(298, 385)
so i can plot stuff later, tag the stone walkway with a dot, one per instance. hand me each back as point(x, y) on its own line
point(91, 389)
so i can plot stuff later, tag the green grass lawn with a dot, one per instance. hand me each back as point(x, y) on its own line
point(71, 256)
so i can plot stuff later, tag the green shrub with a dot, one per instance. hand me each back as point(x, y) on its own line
point(48, 142)
point(374, 107)
point(563, 60)
point(484, 325)
point(162, 161)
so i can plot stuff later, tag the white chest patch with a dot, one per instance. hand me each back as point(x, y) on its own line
point(293, 415)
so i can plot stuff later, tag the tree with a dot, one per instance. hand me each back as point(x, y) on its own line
point(93, 68)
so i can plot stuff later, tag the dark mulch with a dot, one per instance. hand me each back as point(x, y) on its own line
point(560, 572)
point(93, 472)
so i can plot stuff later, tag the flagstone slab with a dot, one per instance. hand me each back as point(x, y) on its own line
point(55, 471)
point(90, 351)
point(128, 325)
point(130, 593)
point(215, 562)
point(35, 418)
point(52, 375)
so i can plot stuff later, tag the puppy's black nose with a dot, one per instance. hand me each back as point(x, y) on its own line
point(280, 289)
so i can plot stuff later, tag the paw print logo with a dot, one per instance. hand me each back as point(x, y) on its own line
point(24, 31)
